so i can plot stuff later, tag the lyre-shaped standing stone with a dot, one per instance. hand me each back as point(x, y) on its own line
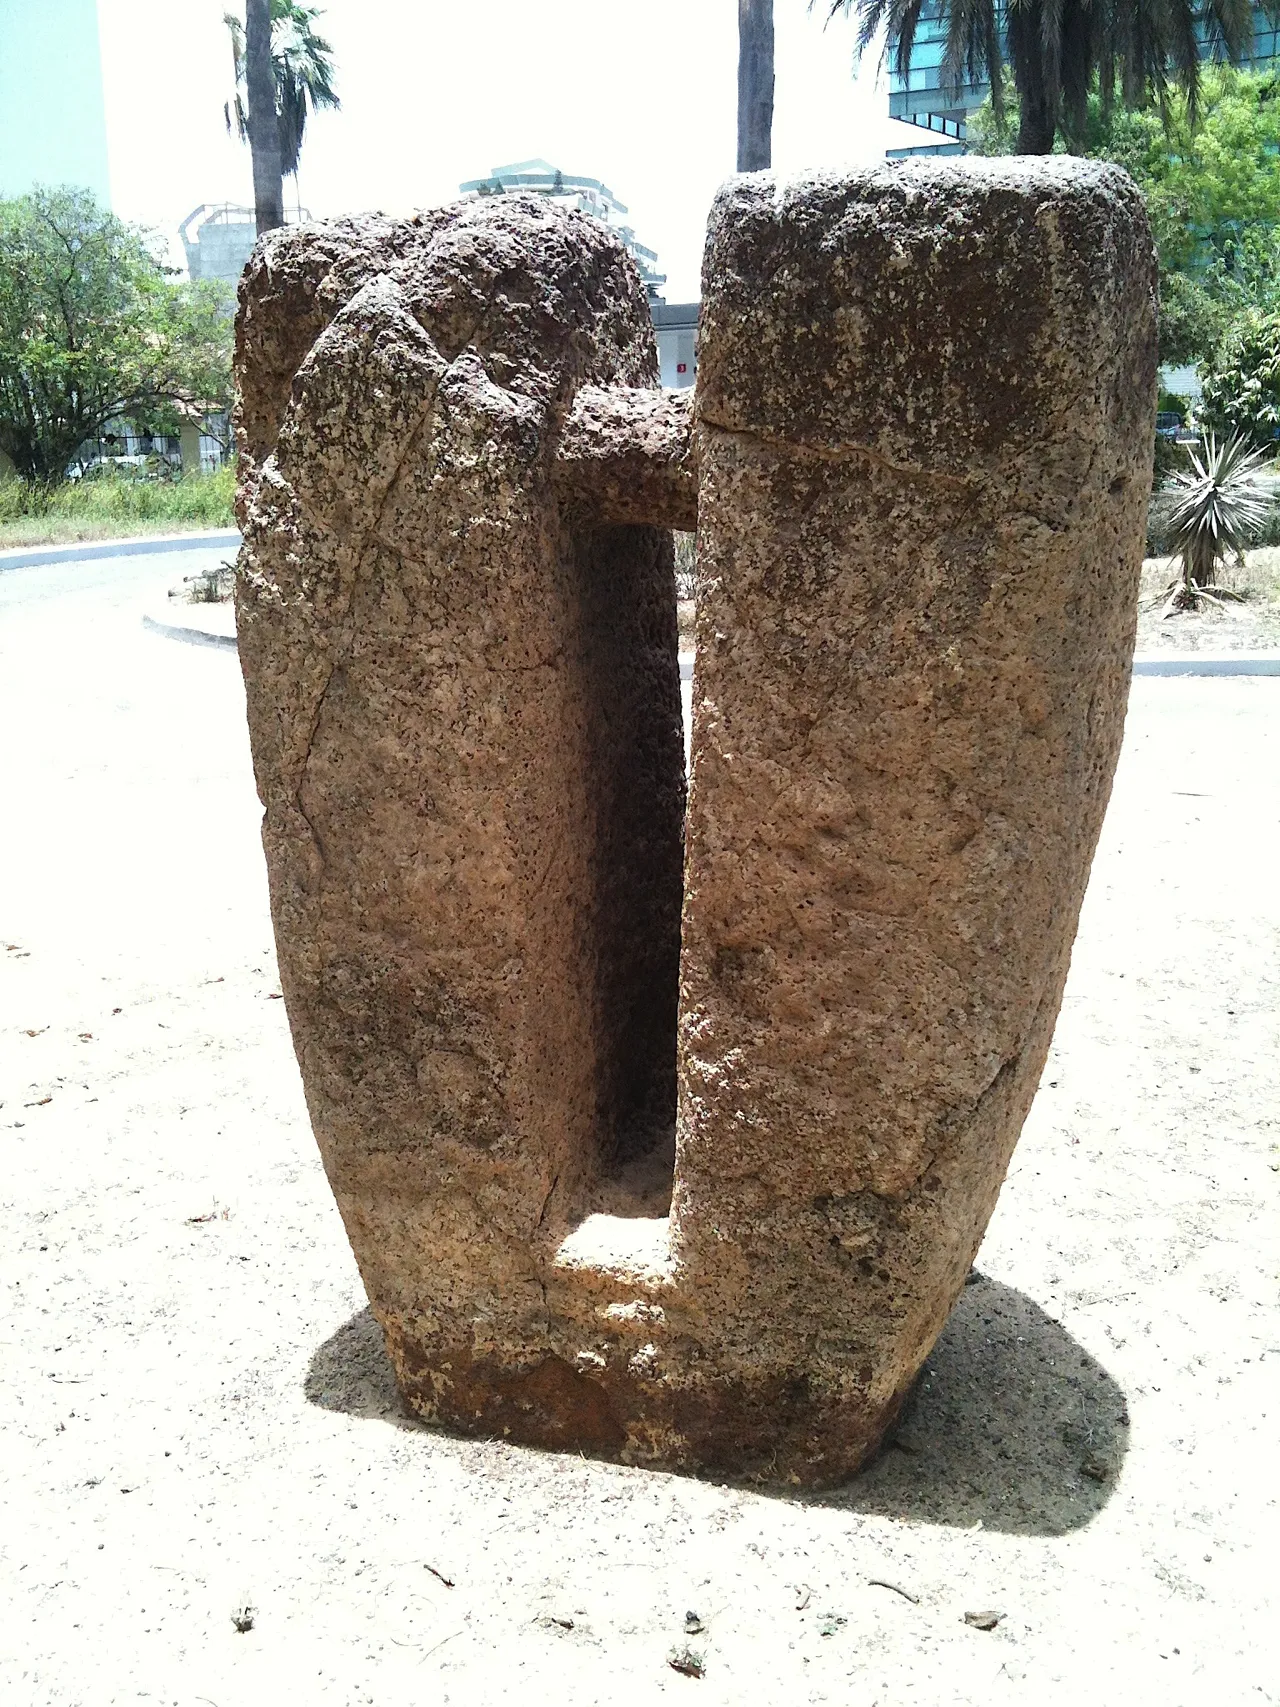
point(918, 459)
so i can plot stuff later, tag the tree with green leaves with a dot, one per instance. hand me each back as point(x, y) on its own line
point(1134, 52)
point(283, 73)
point(92, 330)
point(1211, 180)
point(1241, 386)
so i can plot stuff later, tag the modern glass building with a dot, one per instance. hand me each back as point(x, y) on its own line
point(920, 98)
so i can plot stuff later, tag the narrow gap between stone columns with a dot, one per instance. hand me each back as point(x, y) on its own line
point(635, 776)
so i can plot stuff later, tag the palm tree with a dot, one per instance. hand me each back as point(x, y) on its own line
point(755, 85)
point(252, 52)
point(299, 64)
point(1136, 49)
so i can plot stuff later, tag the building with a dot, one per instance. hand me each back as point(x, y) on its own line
point(921, 98)
point(220, 246)
point(588, 195)
point(675, 326)
point(53, 122)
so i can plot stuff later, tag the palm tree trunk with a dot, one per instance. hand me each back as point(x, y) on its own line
point(755, 85)
point(264, 130)
point(1037, 118)
point(1036, 128)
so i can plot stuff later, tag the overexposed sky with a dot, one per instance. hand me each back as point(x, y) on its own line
point(642, 97)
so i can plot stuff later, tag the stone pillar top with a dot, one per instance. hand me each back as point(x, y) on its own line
point(935, 313)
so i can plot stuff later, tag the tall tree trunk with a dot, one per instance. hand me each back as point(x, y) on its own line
point(1037, 106)
point(755, 85)
point(264, 128)
point(1036, 128)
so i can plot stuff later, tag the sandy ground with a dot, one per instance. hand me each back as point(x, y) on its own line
point(197, 1415)
point(1250, 626)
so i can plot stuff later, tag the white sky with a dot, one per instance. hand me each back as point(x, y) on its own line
point(642, 97)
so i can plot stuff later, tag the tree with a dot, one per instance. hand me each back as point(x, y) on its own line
point(1059, 50)
point(1242, 382)
point(261, 122)
point(1212, 189)
point(285, 70)
point(755, 85)
point(92, 330)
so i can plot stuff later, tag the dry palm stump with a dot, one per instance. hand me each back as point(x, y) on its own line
point(668, 1133)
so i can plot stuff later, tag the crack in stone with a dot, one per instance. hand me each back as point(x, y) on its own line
point(836, 453)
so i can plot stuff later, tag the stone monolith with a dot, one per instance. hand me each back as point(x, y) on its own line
point(918, 458)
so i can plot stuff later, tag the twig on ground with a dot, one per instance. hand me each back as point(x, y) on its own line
point(882, 1582)
point(440, 1644)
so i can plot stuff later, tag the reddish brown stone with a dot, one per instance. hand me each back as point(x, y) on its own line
point(921, 444)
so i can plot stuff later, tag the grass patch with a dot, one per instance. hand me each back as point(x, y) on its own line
point(114, 506)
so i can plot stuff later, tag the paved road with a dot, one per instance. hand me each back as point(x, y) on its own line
point(139, 721)
point(125, 767)
point(103, 582)
point(136, 719)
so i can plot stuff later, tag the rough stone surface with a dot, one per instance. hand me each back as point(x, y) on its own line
point(924, 408)
point(921, 437)
point(630, 455)
point(465, 715)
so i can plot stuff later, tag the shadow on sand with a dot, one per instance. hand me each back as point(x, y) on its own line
point(1011, 1424)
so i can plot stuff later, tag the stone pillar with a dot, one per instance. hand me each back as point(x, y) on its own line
point(464, 706)
point(918, 454)
point(924, 431)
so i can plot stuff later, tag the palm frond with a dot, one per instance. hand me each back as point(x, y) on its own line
point(1228, 25)
point(302, 62)
point(1140, 51)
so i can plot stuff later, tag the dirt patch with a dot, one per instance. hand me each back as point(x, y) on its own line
point(196, 1411)
point(1249, 626)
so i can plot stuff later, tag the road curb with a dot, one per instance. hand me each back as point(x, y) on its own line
point(1218, 664)
point(86, 550)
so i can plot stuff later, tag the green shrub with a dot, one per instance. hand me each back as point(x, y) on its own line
point(123, 503)
point(1242, 382)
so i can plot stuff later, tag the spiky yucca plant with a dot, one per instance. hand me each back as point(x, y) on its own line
point(1221, 503)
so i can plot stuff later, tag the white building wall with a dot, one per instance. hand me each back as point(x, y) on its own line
point(676, 331)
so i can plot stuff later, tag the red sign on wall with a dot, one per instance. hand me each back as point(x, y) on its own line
point(682, 367)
